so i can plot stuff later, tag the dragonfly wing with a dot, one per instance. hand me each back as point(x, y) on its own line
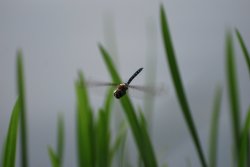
point(92, 83)
point(149, 89)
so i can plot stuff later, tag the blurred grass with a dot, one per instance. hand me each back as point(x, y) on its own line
point(214, 128)
point(233, 92)
point(244, 154)
point(142, 141)
point(150, 73)
point(84, 121)
point(60, 138)
point(23, 122)
point(56, 158)
point(118, 147)
point(53, 158)
point(171, 57)
point(9, 154)
point(93, 134)
point(244, 49)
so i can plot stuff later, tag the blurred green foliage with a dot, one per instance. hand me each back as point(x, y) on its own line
point(95, 147)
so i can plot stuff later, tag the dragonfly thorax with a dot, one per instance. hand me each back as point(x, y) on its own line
point(121, 90)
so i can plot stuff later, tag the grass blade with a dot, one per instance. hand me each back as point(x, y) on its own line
point(56, 158)
point(110, 65)
point(150, 72)
point(85, 129)
point(244, 142)
point(119, 142)
point(23, 122)
point(53, 158)
point(143, 142)
point(244, 49)
point(108, 104)
point(102, 140)
point(103, 129)
point(170, 55)
point(9, 155)
point(214, 128)
point(144, 128)
point(233, 92)
point(60, 139)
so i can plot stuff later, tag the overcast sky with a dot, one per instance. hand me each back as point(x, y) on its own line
point(60, 37)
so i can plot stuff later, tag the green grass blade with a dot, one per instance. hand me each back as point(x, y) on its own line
point(119, 142)
point(103, 132)
point(23, 122)
point(53, 158)
point(108, 104)
point(233, 92)
point(85, 129)
point(244, 142)
point(143, 142)
point(214, 128)
point(142, 119)
point(110, 65)
point(244, 49)
point(144, 128)
point(170, 55)
point(102, 140)
point(9, 155)
point(60, 138)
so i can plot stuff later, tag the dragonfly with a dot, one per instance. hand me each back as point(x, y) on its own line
point(122, 88)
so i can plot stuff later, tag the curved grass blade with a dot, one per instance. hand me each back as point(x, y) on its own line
point(23, 122)
point(85, 128)
point(9, 155)
point(244, 49)
point(244, 142)
point(170, 55)
point(143, 142)
point(214, 128)
point(56, 158)
point(53, 158)
point(233, 92)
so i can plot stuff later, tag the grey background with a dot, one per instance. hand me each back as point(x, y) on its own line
point(60, 37)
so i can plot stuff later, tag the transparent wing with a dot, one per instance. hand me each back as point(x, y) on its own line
point(155, 91)
point(92, 83)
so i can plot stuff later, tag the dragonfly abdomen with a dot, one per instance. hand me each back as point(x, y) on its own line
point(134, 75)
